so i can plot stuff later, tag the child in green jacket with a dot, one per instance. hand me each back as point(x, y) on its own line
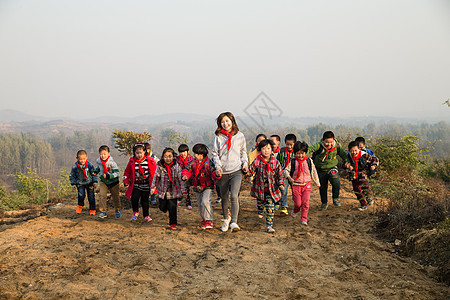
point(324, 155)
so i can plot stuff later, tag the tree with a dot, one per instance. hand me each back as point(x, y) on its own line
point(125, 140)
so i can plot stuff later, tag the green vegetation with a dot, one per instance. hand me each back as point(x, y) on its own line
point(125, 140)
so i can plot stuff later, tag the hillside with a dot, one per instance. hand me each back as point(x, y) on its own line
point(336, 256)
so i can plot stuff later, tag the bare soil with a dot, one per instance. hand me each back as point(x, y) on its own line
point(337, 256)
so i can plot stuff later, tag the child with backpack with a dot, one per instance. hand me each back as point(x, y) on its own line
point(300, 172)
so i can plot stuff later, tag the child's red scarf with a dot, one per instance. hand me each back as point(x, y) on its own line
point(169, 171)
point(198, 167)
point(269, 168)
point(356, 162)
point(288, 160)
point(300, 165)
point(104, 164)
point(83, 169)
point(141, 169)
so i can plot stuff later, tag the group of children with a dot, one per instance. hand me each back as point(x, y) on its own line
point(272, 169)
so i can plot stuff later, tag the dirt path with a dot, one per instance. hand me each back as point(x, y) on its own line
point(335, 256)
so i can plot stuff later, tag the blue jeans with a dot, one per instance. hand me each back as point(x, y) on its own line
point(284, 194)
point(89, 190)
point(229, 186)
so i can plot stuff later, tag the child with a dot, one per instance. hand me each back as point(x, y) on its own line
point(230, 158)
point(108, 172)
point(169, 186)
point(254, 151)
point(83, 178)
point(202, 175)
point(361, 142)
point(268, 182)
point(324, 156)
point(138, 177)
point(361, 163)
point(277, 140)
point(183, 159)
point(299, 173)
point(148, 150)
point(284, 157)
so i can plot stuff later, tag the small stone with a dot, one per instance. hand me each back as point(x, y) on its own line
point(397, 242)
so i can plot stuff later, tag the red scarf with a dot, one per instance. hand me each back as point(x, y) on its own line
point(84, 170)
point(276, 150)
point(229, 135)
point(288, 159)
point(198, 167)
point(104, 164)
point(356, 162)
point(300, 165)
point(269, 168)
point(331, 150)
point(169, 171)
point(184, 160)
point(141, 170)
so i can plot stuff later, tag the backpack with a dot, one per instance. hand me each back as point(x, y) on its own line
point(308, 161)
point(321, 149)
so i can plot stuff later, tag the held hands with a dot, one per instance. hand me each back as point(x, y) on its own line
point(219, 172)
point(282, 187)
point(184, 178)
point(373, 167)
point(291, 180)
point(245, 169)
point(153, 191)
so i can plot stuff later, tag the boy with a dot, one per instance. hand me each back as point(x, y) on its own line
point(183, 159)
point(83, 178)
point(361, 163)
point(361, 142)
point(324, 155)
point(276, 140)
point(285, 156)
point(108, 172)
point(254, 152)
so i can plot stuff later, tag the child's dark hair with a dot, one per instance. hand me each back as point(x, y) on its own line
point(300, 146)
point(328, 135)
point(352, 144)
point(360, 139)
point(147, 146)
point(169, 150)
point(276, 136)
point(182, 148)
point(260, 135)
point(81, 152)
point(103, 148)
point(138, 146)
point(264, 143)
point(201, 149)
point(290, 137)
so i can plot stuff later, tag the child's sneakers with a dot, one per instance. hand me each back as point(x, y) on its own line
point(226, 224)
point(147, 219)
point(92, 212)
point(102, 215)
point(362, 207)
point(369, 201)
point(336, 202)
point(234, 227)
point(269, 229)
point(304, 223)
point(218, 200)
point(173, 226)
point(293, 214)
point(79, 209)
point(118, 213)
point(276, 207)
point(284, 211)
point(134, 216)
point(189, 207)
point(208, 225)
point(323, 206)
point(203, 226)
point(260, 215)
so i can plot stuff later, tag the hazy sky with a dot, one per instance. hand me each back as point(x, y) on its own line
point(89, 58)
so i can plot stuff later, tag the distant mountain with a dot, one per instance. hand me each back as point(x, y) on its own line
point(9, 115)
point(154, 119)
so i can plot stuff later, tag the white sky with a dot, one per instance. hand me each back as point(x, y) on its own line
point(66, 58)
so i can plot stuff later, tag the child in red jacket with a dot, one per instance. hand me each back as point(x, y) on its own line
point(138, 176)
point(202, 175)
point(183, 159)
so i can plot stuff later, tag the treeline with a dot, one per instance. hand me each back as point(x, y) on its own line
point(20, 152)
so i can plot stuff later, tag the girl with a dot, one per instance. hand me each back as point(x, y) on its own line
point(168, 184)
point(268, 182)
point(183, 159)
point(229, 155)
point(299, 172)
point(202, 175)
point(138, 176)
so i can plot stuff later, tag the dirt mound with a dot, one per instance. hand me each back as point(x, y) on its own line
point(60, 255)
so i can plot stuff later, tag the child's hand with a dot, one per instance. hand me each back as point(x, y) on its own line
point(291, 180)
point(372, 167)
point(73, 188)
point(95, 186)
point(219, 173)
point(350, 168)
point(104, 176)
point(125, 184)
point(184, 178)
point(282, 187)
point(153, 191)
point(245, 169)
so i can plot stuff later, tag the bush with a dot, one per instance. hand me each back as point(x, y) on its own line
point(63, 187)
point(33, 186)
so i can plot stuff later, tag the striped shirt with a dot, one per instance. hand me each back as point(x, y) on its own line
point(141, 182)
